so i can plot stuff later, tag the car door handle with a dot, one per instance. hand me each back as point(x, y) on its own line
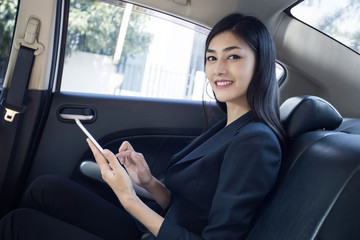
point(68, 116)
point(70, 113)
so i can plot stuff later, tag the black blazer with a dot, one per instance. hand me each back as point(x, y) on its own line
point(220, 181)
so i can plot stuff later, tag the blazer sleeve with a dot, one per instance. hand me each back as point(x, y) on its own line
point(248, 173)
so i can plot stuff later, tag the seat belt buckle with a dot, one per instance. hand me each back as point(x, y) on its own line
point(11, 111)
point(10, 114)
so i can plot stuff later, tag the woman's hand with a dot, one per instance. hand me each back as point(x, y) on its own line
point(135, 165)
point(114, 174)
point(119, 180)
point(139, 171)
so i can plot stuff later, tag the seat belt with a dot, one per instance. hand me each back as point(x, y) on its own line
point(13, 103)
point(28, 49)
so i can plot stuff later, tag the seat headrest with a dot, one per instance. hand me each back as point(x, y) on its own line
point(308, 113)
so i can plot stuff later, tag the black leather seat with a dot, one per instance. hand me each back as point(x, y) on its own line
point(350, 125)
point(317, 196)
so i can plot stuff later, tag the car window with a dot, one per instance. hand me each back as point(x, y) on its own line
point(122, 49)
point(8, 10)
point(338, 19)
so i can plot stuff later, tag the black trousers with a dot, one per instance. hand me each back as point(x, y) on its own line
point(56, 208)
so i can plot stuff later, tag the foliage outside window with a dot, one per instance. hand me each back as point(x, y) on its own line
point(338, 19)
point(8, 10)
point(94, 27)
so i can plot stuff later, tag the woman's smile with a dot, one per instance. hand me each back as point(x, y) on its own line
point(223, 83)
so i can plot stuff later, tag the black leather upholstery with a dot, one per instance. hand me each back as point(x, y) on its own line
point(307, 113)
point(317, 195)
point(350, 125)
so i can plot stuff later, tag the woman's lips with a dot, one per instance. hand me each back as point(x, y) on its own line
point(223, 83)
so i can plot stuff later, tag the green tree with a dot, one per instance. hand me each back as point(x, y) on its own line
point(7, 21)
point(94, 27)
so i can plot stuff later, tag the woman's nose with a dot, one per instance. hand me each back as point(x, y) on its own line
point(220, 68)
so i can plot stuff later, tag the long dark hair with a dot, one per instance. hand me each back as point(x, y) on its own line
point(263, 90)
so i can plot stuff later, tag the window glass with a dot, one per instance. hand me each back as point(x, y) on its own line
point(123, 49)
point(338, 19)
point(8, 10)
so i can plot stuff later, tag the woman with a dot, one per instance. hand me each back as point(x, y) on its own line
point(212, 189)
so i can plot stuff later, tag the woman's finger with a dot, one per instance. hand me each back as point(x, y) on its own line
point(124, 154)
point(124, 157)
point(112, 159)
point(99, 157)
point(136, 157)
point(125, 146)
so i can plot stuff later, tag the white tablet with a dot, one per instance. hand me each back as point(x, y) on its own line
point(89, 135)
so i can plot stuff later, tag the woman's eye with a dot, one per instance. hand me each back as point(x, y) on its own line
point(210, 58)
point(232, 57)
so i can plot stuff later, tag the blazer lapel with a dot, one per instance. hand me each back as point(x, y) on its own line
point(197, 142)
point(219, 136)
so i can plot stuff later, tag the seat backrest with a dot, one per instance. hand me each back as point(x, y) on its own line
point(317, 194)
point(301, 115)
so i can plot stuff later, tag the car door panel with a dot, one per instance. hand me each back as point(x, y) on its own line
point(156, 128)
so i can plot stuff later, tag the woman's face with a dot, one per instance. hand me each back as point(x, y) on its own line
point(230, 66)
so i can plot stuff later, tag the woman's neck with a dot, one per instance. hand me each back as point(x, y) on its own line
point(234, 111)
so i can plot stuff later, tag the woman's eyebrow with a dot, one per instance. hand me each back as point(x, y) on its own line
point(231, 48)
point(224, 50)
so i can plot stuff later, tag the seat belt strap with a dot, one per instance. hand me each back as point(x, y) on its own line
point(28, 49)
point(13, 103)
